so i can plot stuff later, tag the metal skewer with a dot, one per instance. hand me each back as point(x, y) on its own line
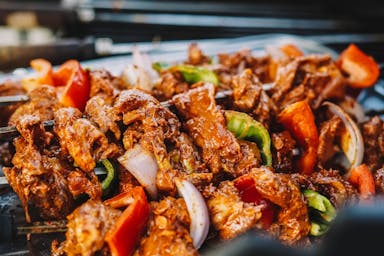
point(13, 228)
point(10, 132)
point(42, 227)
point(4, 182)
point(9, 100)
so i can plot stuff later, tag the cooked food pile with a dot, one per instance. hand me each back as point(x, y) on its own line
point(282, 151)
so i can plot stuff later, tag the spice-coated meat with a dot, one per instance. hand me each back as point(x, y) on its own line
point(104, 83)
point(373, 136)
point(170, 84)
point(196, 55)
point(205, 123)
point(43, 103)
point(186, 159)
point(282, 149)
point(168, 232)
point(87, 227)
point(38, 179)
point(379, 180)
point(329, 183)
point(81, 139)
point(229, 214)
point(280, 189)
point(314, 78)
point(152, 126)
point(249, 97)
point(329, 131)
point(237, 62)
point(100, 111)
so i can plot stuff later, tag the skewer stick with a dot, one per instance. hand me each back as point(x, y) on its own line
point(9, 132)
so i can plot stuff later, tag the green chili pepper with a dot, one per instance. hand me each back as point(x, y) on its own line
point(192, 74)
point(318, 229)
point(321, 204)
point(160, 66)
point(322, 212)
point(106, 184)
point(245, 127)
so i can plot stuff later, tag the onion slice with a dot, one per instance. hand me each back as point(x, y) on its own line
point(143, 61)
point(354, 109)
point(351, 141)
point(134, 76)
point(197, 210)
point(143, 166)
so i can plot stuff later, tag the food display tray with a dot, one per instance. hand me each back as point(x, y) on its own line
point(357, 230)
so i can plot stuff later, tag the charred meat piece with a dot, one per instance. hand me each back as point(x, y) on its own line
point(314, 78)
point(81, 139)
point(152, 126)
point(196, 55)
point(43, 103)
point(104, 84)
point(329, 183)
point(373, 135)
point(249, 97)
point(100, 111)
point(329, 130)
point(282, 150)
point(80, 182)
point(6, 153)
point(168, 232)
point(251, 157)
point(170, 84)
point(126, 180)
point(9, 88)
point(280, 189)
point(229, 214)
point(205, 123)
point(87, 227)
point(379, 180)
point(38, 179)
point(187, 160)
point(237, 62)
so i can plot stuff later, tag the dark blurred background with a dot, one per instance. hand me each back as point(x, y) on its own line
point(87, 29)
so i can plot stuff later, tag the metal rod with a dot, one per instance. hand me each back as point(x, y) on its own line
point(9, 100)
point(4, 182)
point(42, 227)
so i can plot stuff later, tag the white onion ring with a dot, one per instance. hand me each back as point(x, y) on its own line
point(143, 166)
point(351, 141)
point(197, 210)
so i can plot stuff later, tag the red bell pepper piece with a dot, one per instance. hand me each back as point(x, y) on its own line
point(124, 236)
point(362, 69)
point(246, 185)
point(76, 81)
point(362, 177)
point(44, 76)
point(298, 118)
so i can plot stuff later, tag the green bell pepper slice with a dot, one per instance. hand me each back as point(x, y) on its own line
point(245, 127)
point(318, 229)
point(321, 204)
point(322, 212)
point(193, 74)
point(106, 184)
